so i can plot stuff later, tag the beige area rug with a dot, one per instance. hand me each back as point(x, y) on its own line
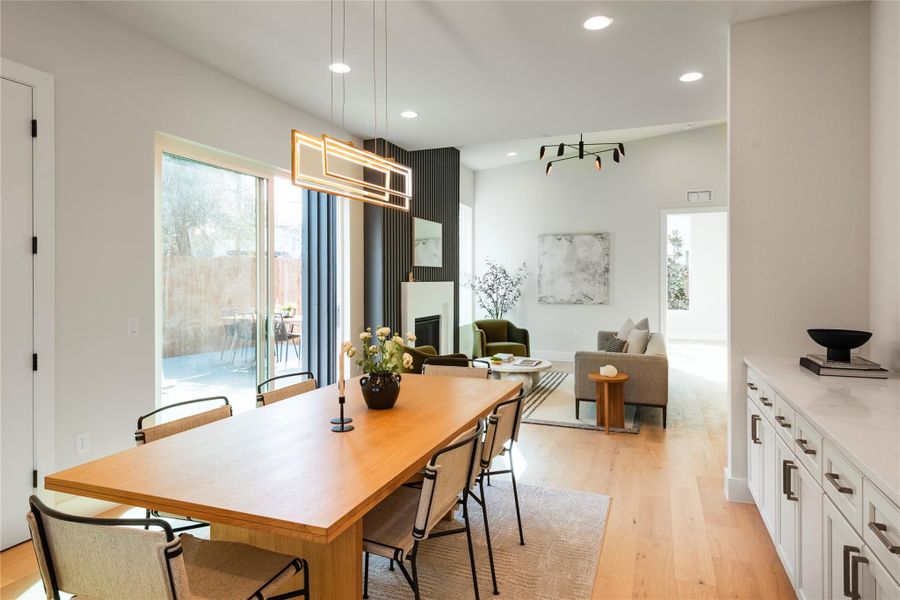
point(552, 402)
point(563, 534)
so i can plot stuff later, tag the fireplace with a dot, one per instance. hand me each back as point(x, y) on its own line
point(428, 331)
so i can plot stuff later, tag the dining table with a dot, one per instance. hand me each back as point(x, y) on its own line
point(279, 478)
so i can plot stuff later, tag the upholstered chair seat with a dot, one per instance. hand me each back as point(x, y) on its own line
point(495, 336)
point(422, 353)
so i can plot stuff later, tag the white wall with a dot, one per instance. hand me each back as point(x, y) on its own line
point(516, 203)
point(707, 315)
point(884, 217)
point(799, 186)
point(114, 89)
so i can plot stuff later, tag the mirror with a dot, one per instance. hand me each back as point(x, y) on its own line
point(428, 243)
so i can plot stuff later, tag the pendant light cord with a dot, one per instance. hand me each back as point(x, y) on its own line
point(331, 62)
point(386, 109)
point(374, 76)
point(343, 60)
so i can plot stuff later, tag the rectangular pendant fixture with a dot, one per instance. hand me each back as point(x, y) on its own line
point(326, 164)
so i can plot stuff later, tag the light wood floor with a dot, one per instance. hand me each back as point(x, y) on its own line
point(670, 532)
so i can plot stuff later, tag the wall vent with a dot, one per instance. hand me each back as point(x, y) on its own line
point(699, 196)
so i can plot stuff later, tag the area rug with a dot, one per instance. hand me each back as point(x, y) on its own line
point(552, 402)
point(563, 534)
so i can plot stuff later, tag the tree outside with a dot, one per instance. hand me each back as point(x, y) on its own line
point(678, 273)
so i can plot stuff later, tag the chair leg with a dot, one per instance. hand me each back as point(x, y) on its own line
point(366, 577)
point(664, 417)
point(487, 534)
point(577, 408)
point(512, 472)
point(471, 549)
point(415, 572)
point(391, 565)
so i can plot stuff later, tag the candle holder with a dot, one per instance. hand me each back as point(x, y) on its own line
point(341, 423)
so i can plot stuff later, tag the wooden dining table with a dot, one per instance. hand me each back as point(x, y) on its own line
point(278, 478)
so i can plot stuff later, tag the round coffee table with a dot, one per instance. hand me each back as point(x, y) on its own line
point(529, 376)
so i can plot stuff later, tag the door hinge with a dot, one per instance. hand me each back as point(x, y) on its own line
point(34, 481)
point(34, 362)
point(34, 244)
point(34, 128)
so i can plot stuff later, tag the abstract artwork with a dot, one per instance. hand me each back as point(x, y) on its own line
point(573, 268)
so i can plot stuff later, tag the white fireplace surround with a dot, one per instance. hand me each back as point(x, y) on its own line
point(425, 298)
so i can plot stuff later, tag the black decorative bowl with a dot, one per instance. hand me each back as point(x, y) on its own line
point(839, 342)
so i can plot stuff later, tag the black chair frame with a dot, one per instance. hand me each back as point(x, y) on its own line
point(261, 385)
point(413, 578)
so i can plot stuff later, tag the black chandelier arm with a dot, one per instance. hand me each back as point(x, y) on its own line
point(603, 144)
point(557, 159)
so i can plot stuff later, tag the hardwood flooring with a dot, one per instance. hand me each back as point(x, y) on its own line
point(670, 532)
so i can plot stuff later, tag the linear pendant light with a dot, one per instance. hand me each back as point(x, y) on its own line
point(332, 166)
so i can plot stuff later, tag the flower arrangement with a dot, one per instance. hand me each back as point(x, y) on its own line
point(498, 290)
point(380, 353)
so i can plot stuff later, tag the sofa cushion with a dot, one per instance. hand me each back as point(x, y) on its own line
point(643, 324)
point(614, 344)
point(637, 341)
point(625, 329)
point(508, 347)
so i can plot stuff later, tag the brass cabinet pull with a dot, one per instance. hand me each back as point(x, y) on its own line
point(879, 530)
point(786, 467)
point(754, 432)
point(752, 386)
point(781, 421)
point(806, 449)
point(833, 478)
point(848, 590)
point(854, 574)
point(765, 401)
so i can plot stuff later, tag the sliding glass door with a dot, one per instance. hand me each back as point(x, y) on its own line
point(212, 316)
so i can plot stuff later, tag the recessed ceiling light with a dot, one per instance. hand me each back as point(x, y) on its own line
point(409, 114)
point(692, 76)
point(339, 68)
point(511, 153)
point(598, 22)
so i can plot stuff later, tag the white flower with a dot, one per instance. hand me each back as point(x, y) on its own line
point(365, 335)
point(373, 349)
point(407, 360)
point(380, 338)
point(383, 332)
point(351, 352)
point(410, 336)
point(346, 347)
point(397, 340)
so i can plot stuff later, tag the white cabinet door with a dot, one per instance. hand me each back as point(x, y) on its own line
point(770, 473)
point(809, 582)
point(874, 581)
point(786, 508)
point(754, 452)
point(843, 551)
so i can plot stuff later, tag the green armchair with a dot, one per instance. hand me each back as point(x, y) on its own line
point(421, 353)
point(493, 336)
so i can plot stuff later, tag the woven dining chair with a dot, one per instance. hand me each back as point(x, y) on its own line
point(147, 434)
point(395, 527)
point(275, 395)
point(457, 367)
point(116, 558)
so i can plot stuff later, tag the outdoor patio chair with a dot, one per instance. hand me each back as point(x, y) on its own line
point(284, 337)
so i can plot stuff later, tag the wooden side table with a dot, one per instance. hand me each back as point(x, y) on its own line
point(611, 394)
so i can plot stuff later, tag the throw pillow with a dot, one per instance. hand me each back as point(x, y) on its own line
point(625, 329)
point(614, 344)
point(637, 341)
point(643, 324)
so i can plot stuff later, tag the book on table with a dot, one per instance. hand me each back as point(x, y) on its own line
point(857, 367)
point(503, 357)
point(527, 362)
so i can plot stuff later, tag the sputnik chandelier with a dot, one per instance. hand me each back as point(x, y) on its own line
point(332, 166)
point(583, 150)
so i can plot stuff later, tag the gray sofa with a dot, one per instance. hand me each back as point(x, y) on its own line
point(648, 383)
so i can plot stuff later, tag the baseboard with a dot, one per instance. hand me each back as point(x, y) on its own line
point(736, 489)
point(554, 355)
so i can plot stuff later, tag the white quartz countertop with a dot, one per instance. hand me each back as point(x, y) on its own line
point(860, 417)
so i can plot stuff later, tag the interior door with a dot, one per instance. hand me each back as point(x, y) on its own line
point(16, 313)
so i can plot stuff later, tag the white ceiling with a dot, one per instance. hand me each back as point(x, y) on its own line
point(478, 73)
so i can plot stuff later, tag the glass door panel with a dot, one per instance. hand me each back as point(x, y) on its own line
point(210, 280)
point(285, 272)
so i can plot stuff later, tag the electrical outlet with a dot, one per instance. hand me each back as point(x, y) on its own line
point(82, 442)
point(134, 326)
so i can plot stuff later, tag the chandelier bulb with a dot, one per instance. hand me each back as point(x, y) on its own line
point(549, 168)
point(543, 151)
point(597, 163)
point(622, 148)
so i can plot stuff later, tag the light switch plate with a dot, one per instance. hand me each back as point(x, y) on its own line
point(134, 326)
point(82, 442)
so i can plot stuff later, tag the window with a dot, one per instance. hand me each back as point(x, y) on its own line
point(678, 237)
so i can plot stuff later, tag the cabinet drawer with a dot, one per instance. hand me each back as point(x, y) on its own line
point(881, 528)
point(784, 420)
point(843, 484)
point(752, 384)
point(766, 397)
point(808, 446)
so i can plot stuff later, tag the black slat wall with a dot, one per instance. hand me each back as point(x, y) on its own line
point(388, 233)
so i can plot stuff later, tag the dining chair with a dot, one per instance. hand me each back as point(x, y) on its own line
point(502, 433)
point(275, 395)
point(245, 334)
point(284, 336)
point(146, 434)
point(395, 527)
point(124, 558)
